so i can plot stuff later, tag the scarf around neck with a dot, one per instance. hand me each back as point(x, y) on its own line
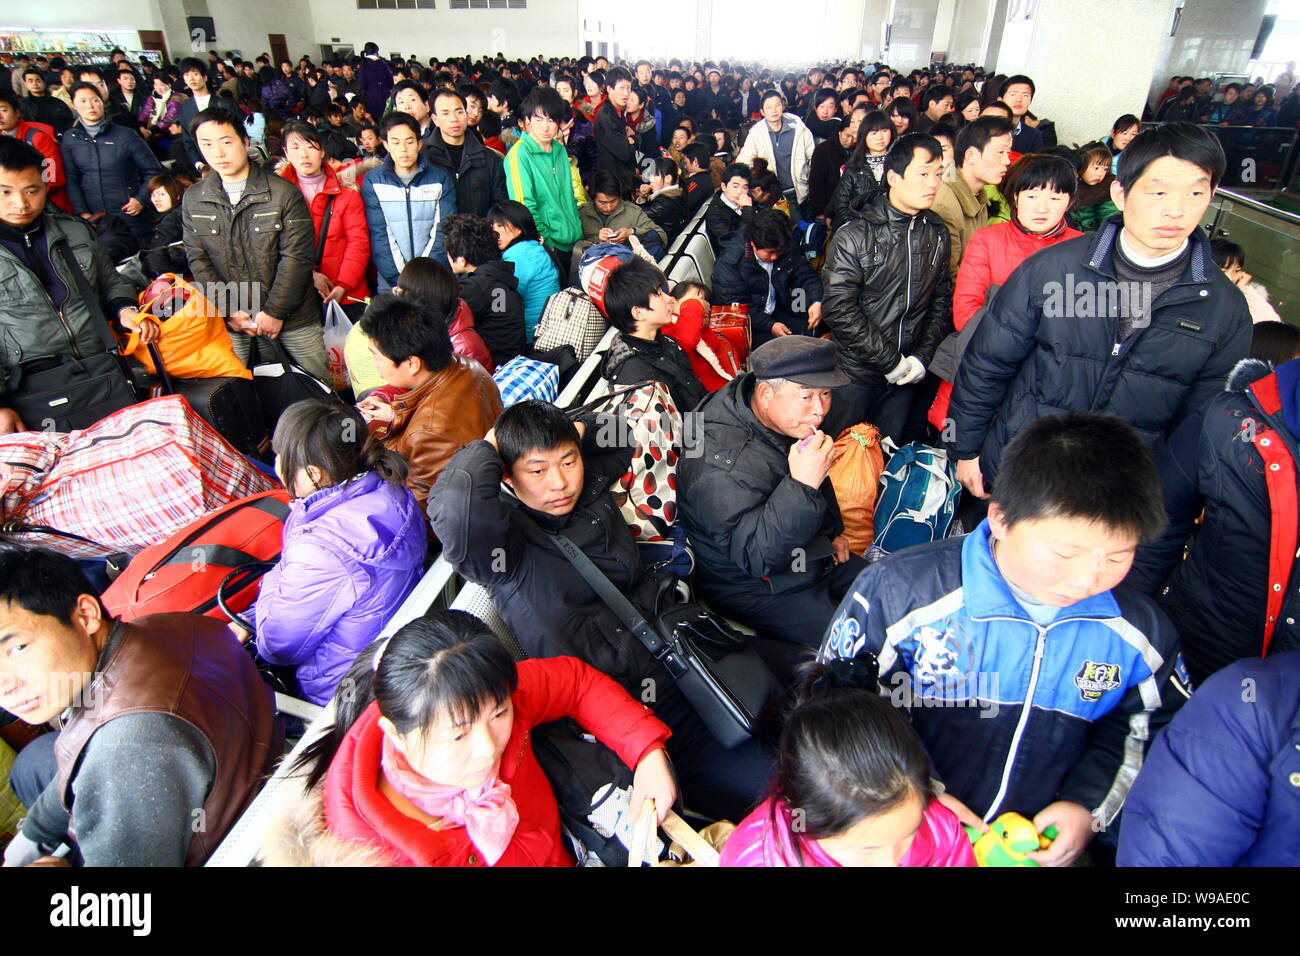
point(487, 812)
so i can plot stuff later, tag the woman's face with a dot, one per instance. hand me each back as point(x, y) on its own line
point(826, 109)
point(1124, 137)
point(1261, 100)
point(506, 234)
point(900, 123)
point(1040, 209)
point(878, 141)
point(161, 199)
point(473, 110)
point(971, 111)
point(565, 89)
point(160, 86)
point(458, 755)
point(304, 156)
point(591, 86)
point(720, 137)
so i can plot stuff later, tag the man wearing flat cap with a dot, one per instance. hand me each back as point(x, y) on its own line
point(755, 499)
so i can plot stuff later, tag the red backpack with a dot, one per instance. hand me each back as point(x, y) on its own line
point(182, 574)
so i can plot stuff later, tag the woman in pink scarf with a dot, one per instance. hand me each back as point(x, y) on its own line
point(430, 762)
point(852, 786)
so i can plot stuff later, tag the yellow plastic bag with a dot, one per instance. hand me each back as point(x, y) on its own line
point(855, 476)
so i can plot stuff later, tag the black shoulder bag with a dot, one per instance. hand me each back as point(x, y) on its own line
point(324, 229)
point(723, 678)
point(74, 391)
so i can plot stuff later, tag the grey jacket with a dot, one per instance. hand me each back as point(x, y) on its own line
point(267, 241)
point(31, 326)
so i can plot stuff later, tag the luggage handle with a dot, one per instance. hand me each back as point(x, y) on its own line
point(678, 830)
point(252, 572)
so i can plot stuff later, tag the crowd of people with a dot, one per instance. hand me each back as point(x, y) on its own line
point(1117, 400)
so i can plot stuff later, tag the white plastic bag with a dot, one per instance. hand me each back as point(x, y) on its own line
point(337, 327)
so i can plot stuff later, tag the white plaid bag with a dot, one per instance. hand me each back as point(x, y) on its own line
point(570, 318)
point(523, 378)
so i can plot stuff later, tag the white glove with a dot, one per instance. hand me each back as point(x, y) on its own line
point(22, 851)
point(908, 371)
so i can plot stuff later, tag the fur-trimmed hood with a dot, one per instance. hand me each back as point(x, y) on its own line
point(297, 835)
point(1246, 373)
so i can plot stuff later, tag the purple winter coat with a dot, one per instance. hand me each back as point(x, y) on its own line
point(351, 554)
point(376, 83)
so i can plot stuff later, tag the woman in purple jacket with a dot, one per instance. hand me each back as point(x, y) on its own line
point(353, 546)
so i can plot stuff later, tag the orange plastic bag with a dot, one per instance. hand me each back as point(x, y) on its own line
point(194, 342)
point(856, 478)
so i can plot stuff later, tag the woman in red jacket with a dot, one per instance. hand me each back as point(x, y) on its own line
point(340, 269)
point(713, 358)
point(1040, 189)
point(434, 283)
point(430, 761)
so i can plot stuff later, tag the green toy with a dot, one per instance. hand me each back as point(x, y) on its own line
point(1008, 839)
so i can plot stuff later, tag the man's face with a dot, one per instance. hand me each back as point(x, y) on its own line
point(347, 71)
point(917, 187)
point(643, 74)
point(542, 128)
point(97, 81)
point(767, 255)
point(680, 139)
point(1230, 95)
point(1165, 204)
point(403, 144)
point(224, 148)
point(127, 81)
point(409, 101)
point(736, 189)
point(773, 109)
point(45, 663)
point(451, 118)
point(1018, 96)
point(940, 109)
point(606, 203)
point(88, 106)
point(22, 196)
point(8, 117)
point(35, 83)
point(793, 410)
point(548, 481)
point(197, 80)
point(1202, 87)
point(619, 93)
point(661, 312)
point(991, 165)
point(1061, 561)
point(369, 140)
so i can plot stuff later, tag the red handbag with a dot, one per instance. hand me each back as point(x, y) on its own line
point(732, 323)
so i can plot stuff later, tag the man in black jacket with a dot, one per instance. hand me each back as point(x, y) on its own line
point(730, 206)
point(40, 107)
point(615, 141)
point(1133, 320)
point(889, 294)
point(698, 185)
point(639, 306)
point(479, 171)
point(755, 500)
point(559, 477)
point(761, 268)
point(487, 283)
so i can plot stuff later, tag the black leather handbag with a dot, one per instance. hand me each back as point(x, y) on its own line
point(722, 677)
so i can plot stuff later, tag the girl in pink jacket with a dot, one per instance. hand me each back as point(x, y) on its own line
point(852, 786)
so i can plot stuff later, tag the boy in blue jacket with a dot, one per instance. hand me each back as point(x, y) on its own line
point(1034, 686)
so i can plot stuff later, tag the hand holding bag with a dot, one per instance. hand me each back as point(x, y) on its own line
point(723, 678)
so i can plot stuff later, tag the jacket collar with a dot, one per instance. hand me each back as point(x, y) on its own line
point(332, 183)
point(1101, 252)
point(987, 594)
point(970, 203)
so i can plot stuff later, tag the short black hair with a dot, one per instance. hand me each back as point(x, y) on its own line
point(78, 87)
point(1019, 78)
point(402, 326)
point(770, 229)
point(411, 85)
point(444, 91)
point(507, 92)
point(734, 170)
point(41, 581)
point(1227, 253)
point(606, 182)
point(1081, 465)
point(551, 104)
point(533, 426)
point(395, 119)
point(1275, 342)
point(976, 135)
point(630, 286)
point(221, 115)
point(904, 149)
point(469, 237)
point(933, 94)
point(1041, 171)
point(1185, 141)
point(616, 76)
point(193, 63)
point(698, 153)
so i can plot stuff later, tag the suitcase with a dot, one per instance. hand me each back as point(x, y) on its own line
point(732, 323)
point(570, 317)
point(229, 405)
point(182, 573)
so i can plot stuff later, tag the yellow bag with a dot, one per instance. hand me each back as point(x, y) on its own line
point(11, 811)
point(855, 476)
point(194, 342)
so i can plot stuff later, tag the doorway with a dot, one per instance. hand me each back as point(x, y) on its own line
point(153, 40)
point(279, 48)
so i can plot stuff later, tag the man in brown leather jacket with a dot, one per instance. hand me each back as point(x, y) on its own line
point(436, 401)
point(166, 727)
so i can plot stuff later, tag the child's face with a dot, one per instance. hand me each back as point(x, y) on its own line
point(1095, 172)
point(878, 840)
point(1061, 561)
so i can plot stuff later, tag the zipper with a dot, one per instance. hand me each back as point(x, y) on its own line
point(907, 305)
point(63, 319)
point(1024, 716)
point(410, 223)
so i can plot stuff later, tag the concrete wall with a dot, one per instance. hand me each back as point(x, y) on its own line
point(970, 27)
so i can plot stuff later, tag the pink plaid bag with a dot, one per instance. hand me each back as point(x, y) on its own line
point(128, 481)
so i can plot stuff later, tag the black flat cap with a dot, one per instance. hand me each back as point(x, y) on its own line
point(798, 358)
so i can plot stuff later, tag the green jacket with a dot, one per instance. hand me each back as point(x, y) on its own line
point(30, 326)
point(543, 182)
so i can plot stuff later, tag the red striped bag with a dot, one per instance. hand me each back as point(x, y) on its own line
point(125, 483)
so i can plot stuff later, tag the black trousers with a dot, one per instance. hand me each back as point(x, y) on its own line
point(897, 410)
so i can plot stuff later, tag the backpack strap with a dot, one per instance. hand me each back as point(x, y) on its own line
point(324, 229)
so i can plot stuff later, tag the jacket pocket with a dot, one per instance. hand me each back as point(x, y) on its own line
point(206, 224)
point(266, 223)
